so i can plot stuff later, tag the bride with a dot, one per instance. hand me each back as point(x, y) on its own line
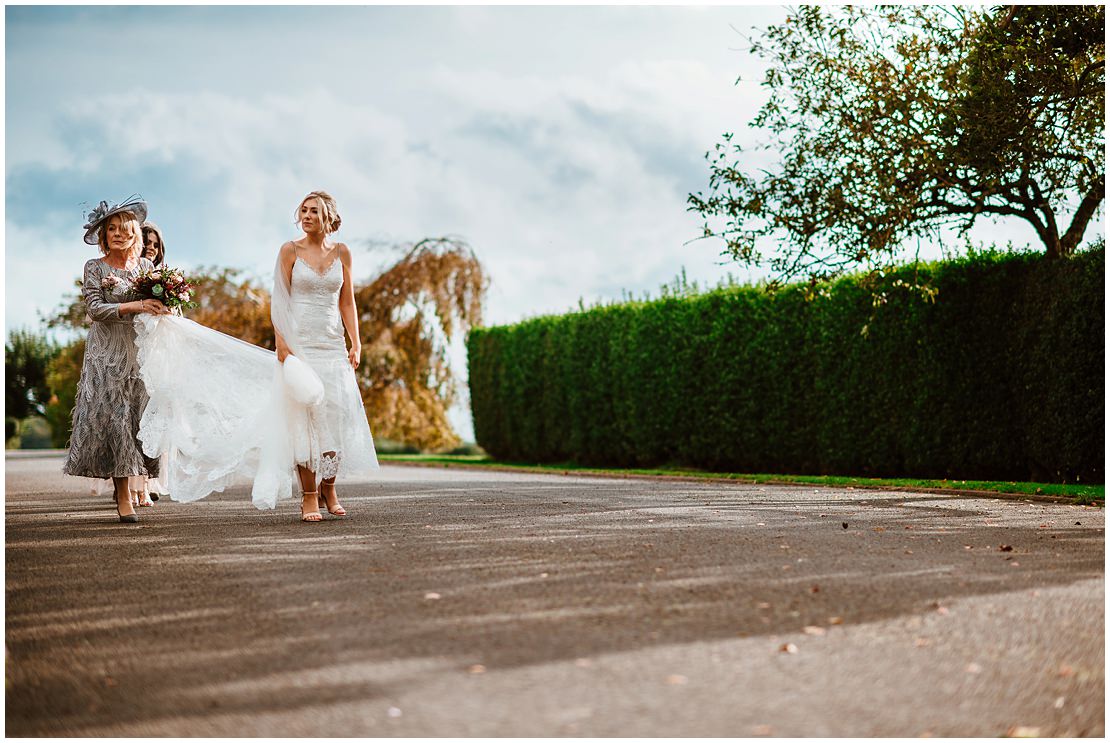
point(225, 412)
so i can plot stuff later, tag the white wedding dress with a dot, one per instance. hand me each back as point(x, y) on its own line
point(225, 412)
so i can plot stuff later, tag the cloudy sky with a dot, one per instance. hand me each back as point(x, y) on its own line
point(561, 142)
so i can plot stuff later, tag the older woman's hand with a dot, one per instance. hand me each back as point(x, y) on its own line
point(154, 307)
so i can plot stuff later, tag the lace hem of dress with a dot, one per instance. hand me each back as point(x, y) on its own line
point(329, 465)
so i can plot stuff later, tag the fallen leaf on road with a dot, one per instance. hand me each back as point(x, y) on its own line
point(1023, 731)
point(844, 524)
point(1059, 703)
point(432, 596)
point(974, 668)
point(583, 662)
point(676, 679)
point(762, 730)
point(763, 605)
point(836, 620)
point(879, 528)
point(110, 682)
point(815, 589)
point(813, 630)
point(394, 712)
point(1005, 548)
point(920, 642)
point(1065, 671)
point(788, 647)
point(477, 668)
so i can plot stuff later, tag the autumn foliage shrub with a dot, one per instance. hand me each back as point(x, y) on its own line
point(1001, 377)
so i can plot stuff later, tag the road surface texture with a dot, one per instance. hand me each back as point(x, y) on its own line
point(463, 603)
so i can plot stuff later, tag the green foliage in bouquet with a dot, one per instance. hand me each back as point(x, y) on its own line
point(168, 285)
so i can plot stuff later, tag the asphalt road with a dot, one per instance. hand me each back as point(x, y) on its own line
point(461, 603)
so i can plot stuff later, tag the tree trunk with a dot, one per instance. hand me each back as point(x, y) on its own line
point(1053, 247)
point(1082, 217)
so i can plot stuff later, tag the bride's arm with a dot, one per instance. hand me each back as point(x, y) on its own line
point(347, 309)
point(287, 256)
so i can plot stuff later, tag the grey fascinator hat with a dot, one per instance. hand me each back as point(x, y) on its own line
point(100, 214)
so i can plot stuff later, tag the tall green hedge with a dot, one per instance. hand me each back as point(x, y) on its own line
point(1000, 378)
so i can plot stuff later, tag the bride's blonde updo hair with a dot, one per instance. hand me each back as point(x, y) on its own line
point(329, 212)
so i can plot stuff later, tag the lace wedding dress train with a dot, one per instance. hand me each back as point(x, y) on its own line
point(225, 412)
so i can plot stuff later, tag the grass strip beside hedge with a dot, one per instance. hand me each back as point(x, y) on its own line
point(1079, 494)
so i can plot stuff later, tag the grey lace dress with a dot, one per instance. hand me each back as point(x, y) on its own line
point(110, 394)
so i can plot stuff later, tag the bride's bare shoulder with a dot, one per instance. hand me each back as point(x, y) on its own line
point(288, 249)
point(344, 252)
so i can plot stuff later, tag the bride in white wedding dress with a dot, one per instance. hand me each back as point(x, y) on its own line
point(225, 412)
point(322, 305)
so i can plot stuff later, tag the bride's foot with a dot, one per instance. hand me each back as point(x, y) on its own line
point(135, 499)
point(144, 500)
point(330, 500)
point(309, 512)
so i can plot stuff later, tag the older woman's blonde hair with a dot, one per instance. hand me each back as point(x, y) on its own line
point(130, 224)
point(329, 212)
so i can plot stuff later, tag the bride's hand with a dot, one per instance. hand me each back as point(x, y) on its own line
point(354, 356)
point(282, 352)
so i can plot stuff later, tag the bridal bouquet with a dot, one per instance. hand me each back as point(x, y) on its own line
point(168, 285)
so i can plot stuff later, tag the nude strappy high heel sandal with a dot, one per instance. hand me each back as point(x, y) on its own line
point(310, 517)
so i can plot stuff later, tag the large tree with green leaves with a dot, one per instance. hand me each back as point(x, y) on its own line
point(890, 123)
point(26, 358)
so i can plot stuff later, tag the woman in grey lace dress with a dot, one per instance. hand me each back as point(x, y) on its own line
point(110, 394)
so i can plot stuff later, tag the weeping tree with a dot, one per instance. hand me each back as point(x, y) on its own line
point(889, 123)
point(233, 303)
point(408, 316)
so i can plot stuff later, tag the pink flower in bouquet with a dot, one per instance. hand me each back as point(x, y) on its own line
point(109, 282)
point(156, 275)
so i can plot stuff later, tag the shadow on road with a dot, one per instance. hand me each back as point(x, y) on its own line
point(217, 608)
